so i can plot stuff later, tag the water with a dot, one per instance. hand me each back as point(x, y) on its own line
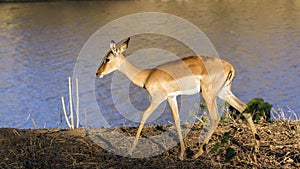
point(40, 42)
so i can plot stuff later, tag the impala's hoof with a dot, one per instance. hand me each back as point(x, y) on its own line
point(199, 153)
point(181, 157)
point(128, 154)
point(195, 156)
point(256, 149)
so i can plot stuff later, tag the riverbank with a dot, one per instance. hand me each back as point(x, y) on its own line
point(53, 148)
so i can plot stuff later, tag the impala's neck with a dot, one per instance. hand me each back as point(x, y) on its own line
point(137, 76)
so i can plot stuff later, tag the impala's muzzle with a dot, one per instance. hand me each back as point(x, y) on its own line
point(99, 75)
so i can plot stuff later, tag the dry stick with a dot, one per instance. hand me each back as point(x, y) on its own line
point(22, 122)
point(71, 104)
point(65, 112)
point(292, 113)
point(85, 116)
point(34, 123)
point(77, 103)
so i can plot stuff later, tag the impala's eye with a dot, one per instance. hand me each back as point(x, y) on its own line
point(107, 59)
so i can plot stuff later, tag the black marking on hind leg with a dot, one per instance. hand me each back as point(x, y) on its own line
point(204, 147)
point(257, 137)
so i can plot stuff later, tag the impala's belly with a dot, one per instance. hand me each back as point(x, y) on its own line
point(181, 77)
point(186, 86)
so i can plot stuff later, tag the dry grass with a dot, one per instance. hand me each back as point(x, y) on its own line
point(74, 149)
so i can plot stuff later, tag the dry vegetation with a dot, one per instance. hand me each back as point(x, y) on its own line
point(46, 148)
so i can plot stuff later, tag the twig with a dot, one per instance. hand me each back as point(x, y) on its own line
point(71, 104)
point(23, 121)
point(77, 103)
point(33, 122)
point(65, 112)
point(70, 119)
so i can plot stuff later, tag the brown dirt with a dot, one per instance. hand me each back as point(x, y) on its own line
point(51, 148)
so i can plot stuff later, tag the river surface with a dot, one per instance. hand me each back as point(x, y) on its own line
point(40, 43)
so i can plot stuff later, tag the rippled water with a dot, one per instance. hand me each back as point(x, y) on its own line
point(40, 42)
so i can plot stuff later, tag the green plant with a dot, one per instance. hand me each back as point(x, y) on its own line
point(222, 147)
point(225, 119)
point(259, 109)
point(201, 108)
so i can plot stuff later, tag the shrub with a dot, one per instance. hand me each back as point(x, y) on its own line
point(257, 107)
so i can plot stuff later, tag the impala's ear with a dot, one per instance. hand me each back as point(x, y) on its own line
point(124, 45)
point(113, 47)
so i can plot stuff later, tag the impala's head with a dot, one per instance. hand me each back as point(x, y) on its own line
point(113, 60)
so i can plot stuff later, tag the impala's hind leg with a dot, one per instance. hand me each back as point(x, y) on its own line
point(214, 119)
point(230, 98)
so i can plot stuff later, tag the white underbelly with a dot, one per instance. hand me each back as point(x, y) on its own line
point(191, 89)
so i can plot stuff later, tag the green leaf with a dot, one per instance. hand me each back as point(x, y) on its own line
point(202, 105)
point(257, 117)
point(221, 151)
point(230, 153)
point(215, 148)
point(226, 137)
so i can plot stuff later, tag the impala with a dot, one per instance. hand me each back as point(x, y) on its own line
point(210, 75)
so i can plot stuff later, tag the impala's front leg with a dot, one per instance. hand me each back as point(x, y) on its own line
point(174, 107)
point(154, 104)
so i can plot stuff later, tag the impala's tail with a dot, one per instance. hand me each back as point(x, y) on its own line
point(230, 76)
